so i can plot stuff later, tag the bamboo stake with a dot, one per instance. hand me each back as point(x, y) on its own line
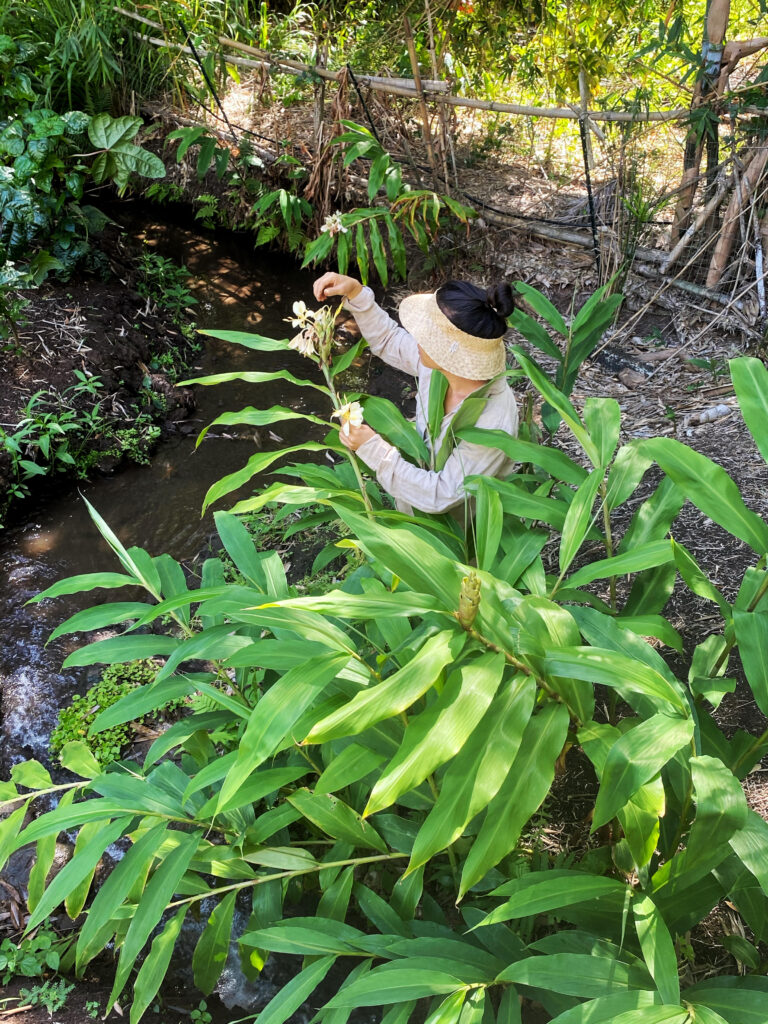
point(426, 131)
point(733, 215)
point(440, 106)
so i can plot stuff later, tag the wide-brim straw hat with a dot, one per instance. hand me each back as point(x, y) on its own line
point(452, 349)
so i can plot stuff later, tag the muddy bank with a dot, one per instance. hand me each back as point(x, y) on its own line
point(91, 368)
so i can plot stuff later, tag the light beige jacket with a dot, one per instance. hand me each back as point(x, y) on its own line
point(424, 489)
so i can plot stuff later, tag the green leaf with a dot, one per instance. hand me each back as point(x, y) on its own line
point(396, 246)
point(721, 811)
point(275, 714)
point(533, 332)
point(750, 379)
point(738, 1000)
point(559, 402)
point(87, 581)
point(539, 894)
point(475, 775)
point(555, 462)
point(521, 793)
point(120, 649)
point(639, 818)
point(540, 304)
point(622, 672)
point(645, 556)
point(449, 1010)
point(605, 1009)
point(378, 252)
point(252, 341)
point(129, 872)
point(395, 983)
point(489, 523)
point(127, 558)
point(395, 694)
point(710, 488)
point(156, 896)
point(31, 775)
point(749, 844)
point(439, 732)
point(154, 969)
point(213, 945)
point(140, 701)
point(602, 418)
point(251, 417)
point(386, 419)
point(336, 819)
point(78, 869)
point(658, 948)
point(351, 765)
point(752, 637)
point(578, 519)
point(295, 992)
point(573, 974)
point(635, 758)
point(627, 471)
point(255, 465)
point(307, 936)
point(106, 132)
point(44, 856)
point(100, 616)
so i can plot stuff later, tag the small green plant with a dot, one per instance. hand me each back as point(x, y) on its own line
point(31, 957)
point(200, 1015)
point(75, 721)
point(93, 1008)
point(50, 994)
point(165, 282)
point(716, 365)
point(12, 305)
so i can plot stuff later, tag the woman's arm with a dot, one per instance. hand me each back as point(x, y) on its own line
point(386, 337)
point(424, 489)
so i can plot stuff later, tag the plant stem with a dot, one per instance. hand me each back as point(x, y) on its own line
point(350, 455)
point(608, 540)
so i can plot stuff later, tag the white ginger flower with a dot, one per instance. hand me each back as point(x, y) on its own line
point(302, 317)
point(350, 414)
point(304, 343)
point(333, 224)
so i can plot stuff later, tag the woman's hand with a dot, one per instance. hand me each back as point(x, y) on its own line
point(356, 436)
point(336, 284)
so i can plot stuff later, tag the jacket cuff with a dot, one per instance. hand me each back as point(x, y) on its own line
point(375, 451)
point(363, 301)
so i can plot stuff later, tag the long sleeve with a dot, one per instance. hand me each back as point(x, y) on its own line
point(387, 339)
point(424, 489)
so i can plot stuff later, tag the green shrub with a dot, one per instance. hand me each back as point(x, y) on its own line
point(396, 735)
point(76, 720)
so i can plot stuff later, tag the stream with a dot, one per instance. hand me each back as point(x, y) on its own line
point(158, 506)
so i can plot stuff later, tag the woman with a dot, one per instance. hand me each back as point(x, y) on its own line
point(458, 330)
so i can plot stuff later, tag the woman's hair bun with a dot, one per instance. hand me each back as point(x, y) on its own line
point(501, 299)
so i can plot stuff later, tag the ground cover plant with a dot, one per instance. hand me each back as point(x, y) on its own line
point(375, 753)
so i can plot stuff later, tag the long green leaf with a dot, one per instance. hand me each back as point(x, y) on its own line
point(750, 379)
point(552, 460)
point(605, 1009)
point(710, 488)
point(602, 418)
point(336, 819)
point(121, 648)
point(128, 871)
point(387, 420)
point(275, 714)
point(439, 733)
point(658, 948)
point(159, 891)
point(523, 790)
point(395, 694)
point(295, 992)
point(540, 894)
point(253, 341)
point(256, 464)
point(636, 560)
point(477, 772)
point(738, 1000)
point(395, 984)
point(578, 519)
point(213, 945)
point(250, 417)
point(635, 758)
point(78, 869)
point(574, 974)
point(154, 969)
point(87, 581)
point(752, 636)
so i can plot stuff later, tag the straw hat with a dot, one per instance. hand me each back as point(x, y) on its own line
point(451, 348)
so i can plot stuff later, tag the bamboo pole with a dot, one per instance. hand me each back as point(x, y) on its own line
point(426, 130)
point(733, 215)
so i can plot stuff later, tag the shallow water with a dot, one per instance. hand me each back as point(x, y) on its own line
point(158, 506)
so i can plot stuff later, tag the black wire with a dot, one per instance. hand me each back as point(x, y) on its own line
point(590, 197)
point(365, 105)
point(206, 76)
point(244, 131)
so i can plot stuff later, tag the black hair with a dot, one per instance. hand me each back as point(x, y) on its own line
point(476, 311)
